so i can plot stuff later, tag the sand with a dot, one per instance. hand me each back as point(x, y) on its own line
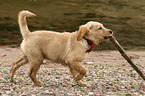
point(109, 74)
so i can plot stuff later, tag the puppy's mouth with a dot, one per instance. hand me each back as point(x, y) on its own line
point(107, 37)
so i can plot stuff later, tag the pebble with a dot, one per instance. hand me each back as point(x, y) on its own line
point(89, 63)
point(104, 80)
point(91, 94)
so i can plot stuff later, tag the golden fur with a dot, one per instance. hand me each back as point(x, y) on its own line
point(69, 49)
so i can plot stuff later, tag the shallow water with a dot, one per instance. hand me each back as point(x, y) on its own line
point(125, 17)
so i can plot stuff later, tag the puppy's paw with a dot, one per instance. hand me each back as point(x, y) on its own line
point(81, 83)
point(11, 77)
point(39, 84)
point(12, 80)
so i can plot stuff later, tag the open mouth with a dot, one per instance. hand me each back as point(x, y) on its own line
point(107, 37)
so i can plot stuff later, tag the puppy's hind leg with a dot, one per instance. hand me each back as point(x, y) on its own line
point(17, 64)
point(34, 67)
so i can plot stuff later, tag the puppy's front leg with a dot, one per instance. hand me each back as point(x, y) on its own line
point(75, 68)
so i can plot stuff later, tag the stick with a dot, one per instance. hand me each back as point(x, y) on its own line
point(121, 50)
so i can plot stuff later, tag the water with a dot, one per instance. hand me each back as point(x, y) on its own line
point(125, 17)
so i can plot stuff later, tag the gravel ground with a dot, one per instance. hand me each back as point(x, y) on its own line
point(109, 75)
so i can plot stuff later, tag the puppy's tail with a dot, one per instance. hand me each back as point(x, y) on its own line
point(23, 23)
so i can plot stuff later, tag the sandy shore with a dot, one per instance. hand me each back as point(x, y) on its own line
point(109, 74)
point(9, 55)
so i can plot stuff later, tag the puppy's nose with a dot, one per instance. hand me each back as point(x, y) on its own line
point(110, 32)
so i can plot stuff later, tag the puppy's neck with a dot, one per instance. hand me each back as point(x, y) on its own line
point(91, 43)
point(87, 44)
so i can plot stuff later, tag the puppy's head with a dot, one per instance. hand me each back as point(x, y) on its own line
point(94, 31)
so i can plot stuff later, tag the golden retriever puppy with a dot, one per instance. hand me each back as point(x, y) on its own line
point(69, 49)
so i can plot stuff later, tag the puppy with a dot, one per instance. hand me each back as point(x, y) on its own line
point(69, 49)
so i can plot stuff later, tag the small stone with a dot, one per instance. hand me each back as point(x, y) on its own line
point(128, 94)
point(8, 92)
point(91, 94)
point(89, 63)
point(70, 94)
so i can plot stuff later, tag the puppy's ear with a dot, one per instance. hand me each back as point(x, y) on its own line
point(81, 32)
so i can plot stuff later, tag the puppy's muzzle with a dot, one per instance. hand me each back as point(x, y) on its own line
point(107, 37)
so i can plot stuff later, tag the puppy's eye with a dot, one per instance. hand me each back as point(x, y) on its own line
point(100, 28)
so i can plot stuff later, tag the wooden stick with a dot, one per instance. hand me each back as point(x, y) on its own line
point(121, 50)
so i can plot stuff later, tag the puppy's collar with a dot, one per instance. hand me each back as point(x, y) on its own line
point(89, 43)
